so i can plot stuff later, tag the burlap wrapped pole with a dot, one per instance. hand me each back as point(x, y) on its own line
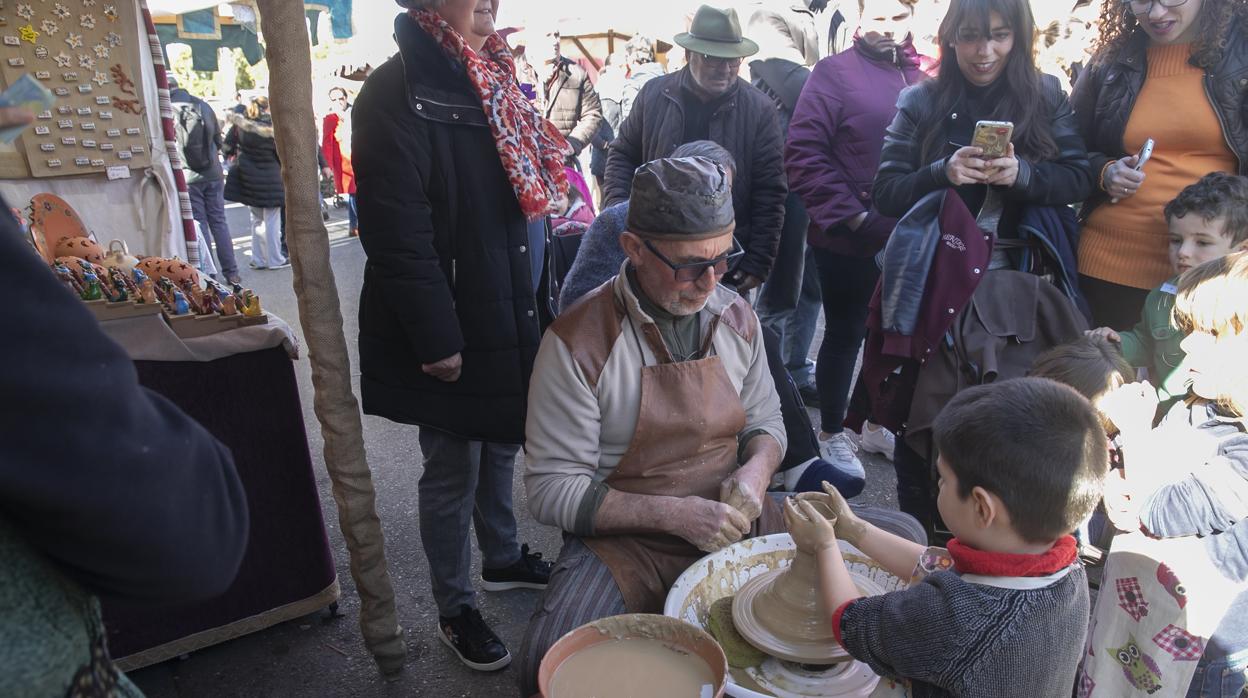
point(290, 96)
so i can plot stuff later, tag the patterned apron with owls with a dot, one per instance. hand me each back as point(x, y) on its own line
point(1159, 601)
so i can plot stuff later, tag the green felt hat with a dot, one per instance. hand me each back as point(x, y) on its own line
point(716, 33)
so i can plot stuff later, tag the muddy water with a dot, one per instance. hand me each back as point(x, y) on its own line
point(632, 669)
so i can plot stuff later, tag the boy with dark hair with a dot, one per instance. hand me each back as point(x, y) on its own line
point(1004, 610)
point(1207, 220)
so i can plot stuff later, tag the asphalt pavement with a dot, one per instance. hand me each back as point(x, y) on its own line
point(322, 656)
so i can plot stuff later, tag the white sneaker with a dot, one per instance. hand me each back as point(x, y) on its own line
point(841, 452)
point(877, 439)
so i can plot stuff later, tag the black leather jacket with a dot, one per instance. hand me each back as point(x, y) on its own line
point(1106, 93)
point(903, 179)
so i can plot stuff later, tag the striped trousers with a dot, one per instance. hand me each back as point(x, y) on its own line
point(581, 590)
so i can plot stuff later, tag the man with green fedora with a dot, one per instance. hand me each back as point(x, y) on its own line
point(707, 100)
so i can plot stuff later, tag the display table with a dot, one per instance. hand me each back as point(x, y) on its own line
point(243, 390)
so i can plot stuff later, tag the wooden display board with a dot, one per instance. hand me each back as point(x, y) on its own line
point(85, 52)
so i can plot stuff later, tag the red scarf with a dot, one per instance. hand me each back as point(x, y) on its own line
point(968, 560)
point(531, 149)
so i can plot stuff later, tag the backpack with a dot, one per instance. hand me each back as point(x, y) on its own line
point(194, 141)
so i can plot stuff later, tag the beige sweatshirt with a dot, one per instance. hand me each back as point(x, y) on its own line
point(580, 425)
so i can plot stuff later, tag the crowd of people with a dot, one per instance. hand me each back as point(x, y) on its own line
point(1035, 299)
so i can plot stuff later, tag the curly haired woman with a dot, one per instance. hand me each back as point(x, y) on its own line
point(1174, 71)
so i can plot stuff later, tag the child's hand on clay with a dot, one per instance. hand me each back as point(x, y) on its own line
point(849, 527)
point(811, 530)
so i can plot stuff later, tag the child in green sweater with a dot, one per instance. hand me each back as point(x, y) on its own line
point(1207, 220)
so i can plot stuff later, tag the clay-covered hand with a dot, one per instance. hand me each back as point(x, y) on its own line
point(849, 527)
point(710, 526)
point(811, 530)
point(744, 491)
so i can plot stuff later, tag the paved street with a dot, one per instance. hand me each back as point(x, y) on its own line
point(319, 656)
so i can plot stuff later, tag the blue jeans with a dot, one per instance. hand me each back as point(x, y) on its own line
point(208, 209)
point(1223, 678)
point(352, 218)
point(464, 483)
point(789, 302)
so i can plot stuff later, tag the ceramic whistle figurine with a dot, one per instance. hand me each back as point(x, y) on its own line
point(210, 303)
point(91, 288)
point(180, 306)
point(192, 295)
point(251, 304)
point(229, 306)
point(67, 277)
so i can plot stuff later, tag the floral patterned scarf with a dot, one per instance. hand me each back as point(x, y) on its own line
point(531, 149)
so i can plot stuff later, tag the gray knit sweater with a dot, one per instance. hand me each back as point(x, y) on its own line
point(952, 637)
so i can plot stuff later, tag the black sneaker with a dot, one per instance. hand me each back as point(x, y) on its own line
point(472, 640)
point(529, 572)
point(810, 395)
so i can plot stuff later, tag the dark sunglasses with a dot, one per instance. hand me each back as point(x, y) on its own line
point(716, 60)
point(692, 271)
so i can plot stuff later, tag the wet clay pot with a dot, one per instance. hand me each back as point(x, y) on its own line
point(782, 613)
point(678, 634)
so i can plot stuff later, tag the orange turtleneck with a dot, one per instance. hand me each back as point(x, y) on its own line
point(1126, 243)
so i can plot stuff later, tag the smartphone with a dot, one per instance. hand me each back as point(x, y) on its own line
point(993, 137)
point(1145, 153)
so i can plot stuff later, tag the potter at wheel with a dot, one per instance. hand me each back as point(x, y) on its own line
point(782, 614)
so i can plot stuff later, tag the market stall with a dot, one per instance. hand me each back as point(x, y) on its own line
point(97, 182)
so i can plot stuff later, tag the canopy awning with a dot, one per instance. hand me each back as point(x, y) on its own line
point(208, 26)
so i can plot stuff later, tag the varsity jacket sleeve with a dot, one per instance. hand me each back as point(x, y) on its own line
point(902, 180)
point(624, 157)
point(1068, 178)
point(112, 482)
point(390, 154)
point(814, 173)
point(591, 116)
point(561, 440)
point(1212, 498)
point(768, 190)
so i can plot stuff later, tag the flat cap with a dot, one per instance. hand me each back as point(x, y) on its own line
point(680, 199)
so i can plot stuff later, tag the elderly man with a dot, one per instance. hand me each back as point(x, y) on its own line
point(706, 100)
point(564, 91)
point(653, 426)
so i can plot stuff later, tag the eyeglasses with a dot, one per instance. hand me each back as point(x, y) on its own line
point(734, 62)
point(692, 271)
point(1143, 7)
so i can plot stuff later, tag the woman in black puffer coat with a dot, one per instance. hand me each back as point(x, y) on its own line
point(255, 180)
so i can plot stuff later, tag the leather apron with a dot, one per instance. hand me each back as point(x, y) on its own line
point(685, 445)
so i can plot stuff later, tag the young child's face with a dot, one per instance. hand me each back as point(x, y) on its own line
point(956, 511)
point(1215, 362)
point(1195, 240)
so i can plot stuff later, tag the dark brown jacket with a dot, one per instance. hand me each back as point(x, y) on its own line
point(746, 125)
point(1012, 318)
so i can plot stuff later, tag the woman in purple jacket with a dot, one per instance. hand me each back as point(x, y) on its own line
point(831, 157)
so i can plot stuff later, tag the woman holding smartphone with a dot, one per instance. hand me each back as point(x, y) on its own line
point(1172, 71)
point(987, 73)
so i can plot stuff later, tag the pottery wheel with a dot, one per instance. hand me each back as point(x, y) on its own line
point(791, 627)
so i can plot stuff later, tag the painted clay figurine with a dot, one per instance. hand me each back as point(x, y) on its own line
point(180, 306)
point(92, 290)
point(251, 304)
